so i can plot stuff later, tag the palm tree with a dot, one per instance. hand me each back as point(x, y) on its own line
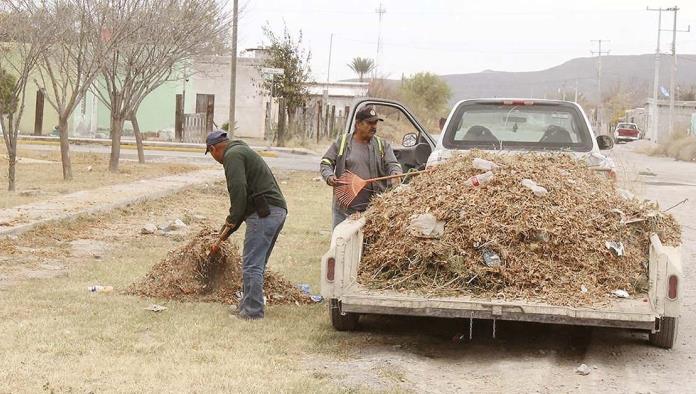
point(362, 66)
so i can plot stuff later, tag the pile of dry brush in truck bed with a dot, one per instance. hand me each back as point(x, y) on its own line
point(572, 238)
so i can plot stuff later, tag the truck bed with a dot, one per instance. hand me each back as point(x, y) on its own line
point(627, 313)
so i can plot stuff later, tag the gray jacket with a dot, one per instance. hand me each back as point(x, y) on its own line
point(382, 160)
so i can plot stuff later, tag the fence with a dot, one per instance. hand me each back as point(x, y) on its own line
point(312, 122)
point(195, 128)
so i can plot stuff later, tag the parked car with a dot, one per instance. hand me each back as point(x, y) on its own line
point(626, 132)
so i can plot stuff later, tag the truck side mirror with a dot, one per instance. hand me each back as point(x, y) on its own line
point(605, 142)
point(409, 140)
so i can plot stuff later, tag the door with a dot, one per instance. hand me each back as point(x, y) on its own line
point(205, 104)
point(411, 142)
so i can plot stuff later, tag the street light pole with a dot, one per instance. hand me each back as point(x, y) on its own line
point(233, 70)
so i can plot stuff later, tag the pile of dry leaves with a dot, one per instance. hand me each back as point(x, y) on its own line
point(502, 240)
point(184, 275)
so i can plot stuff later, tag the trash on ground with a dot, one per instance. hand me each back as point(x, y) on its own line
point(100, 289)
point(426, 225)
point(479, 180)
point(616, 247)
point(156, 308)
point(536, 189)
point(621, 293)
point(149, 228)
point(181, 276)
point(583, 288)
point(304, 288)
point(174, 225)
point(583, 369)
point(647, 172)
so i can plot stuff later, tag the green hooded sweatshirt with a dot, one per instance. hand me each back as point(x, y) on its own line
point(248, 176)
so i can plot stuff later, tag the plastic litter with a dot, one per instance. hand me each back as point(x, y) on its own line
point(100, 289)
point(621, 293)
point(426, 226)
point(583, 370)
point(156, 308)
point(479, 180)
point(536, 189)
point(483, 164)
point(491, 258)
point(304, 287)
point(583, 289)
point(616, 247)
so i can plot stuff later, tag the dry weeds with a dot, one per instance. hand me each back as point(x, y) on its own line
point(550, 246)
point(184, 275)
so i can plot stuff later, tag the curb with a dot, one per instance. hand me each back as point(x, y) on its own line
point(22, 228)
point(157, 144)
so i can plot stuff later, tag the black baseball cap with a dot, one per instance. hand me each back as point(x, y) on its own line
point(214, 137)
point(367, 114)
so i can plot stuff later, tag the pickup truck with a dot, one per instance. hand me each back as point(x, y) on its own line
point(500, 125)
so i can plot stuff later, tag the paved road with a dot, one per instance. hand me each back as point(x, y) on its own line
point(283, 161)
point(542, 358)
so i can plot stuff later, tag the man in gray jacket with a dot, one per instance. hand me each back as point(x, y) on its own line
point(365, 155)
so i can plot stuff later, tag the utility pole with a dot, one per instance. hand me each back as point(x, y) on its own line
point(576, 91)
point(655, 109)
point(328, 69)
point(673, 76)
point(380, 11)
point(600, 113)
point(233, 70)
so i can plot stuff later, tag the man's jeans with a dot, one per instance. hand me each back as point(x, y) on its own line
point(260, 237)
point(339, 215)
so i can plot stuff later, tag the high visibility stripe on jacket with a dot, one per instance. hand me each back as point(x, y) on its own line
point(344, 142)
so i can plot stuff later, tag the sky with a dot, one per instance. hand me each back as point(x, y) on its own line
point(454, 37)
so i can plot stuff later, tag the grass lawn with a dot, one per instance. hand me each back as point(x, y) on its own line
point(39, 174)
point(58, 337)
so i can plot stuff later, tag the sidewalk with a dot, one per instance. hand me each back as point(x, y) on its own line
point(159, 144)
point(19, 219)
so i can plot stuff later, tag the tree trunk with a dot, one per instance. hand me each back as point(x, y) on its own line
point(138, 138)
point(281, 122)
point(116, 131)
point(65, 149)
point(11, 145)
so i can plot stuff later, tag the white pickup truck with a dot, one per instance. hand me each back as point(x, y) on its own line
point(502, 125)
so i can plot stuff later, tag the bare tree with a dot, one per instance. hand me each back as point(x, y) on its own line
point(69, 68)
point(168, 33)
point(24, 36)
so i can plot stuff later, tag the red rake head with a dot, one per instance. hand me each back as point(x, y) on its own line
point(349, 185)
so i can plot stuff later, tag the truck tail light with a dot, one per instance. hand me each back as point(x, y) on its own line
point(672, 287)
point(330, 269)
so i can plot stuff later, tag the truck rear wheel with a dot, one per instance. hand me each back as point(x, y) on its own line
point(667, 335)
point(342, 321)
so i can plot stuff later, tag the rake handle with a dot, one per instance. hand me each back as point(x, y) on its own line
point(383, 178)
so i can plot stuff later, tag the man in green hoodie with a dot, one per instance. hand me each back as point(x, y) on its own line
point(256, 199)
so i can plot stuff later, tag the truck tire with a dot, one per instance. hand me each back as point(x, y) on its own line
point(667, 335)
point(342, 322)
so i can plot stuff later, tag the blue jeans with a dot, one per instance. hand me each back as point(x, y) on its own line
point(339, 215)
point(261, 235)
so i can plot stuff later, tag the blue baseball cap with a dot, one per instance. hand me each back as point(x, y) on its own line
point(214, 137)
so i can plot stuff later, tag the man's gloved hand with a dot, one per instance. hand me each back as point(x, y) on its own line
point(332, 181)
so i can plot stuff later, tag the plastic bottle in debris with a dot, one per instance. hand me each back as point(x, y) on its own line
point(100, 289)
point(536, 189)
point(479, 180)
point(483, 164)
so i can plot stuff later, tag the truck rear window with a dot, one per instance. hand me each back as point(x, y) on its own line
point(495, 126)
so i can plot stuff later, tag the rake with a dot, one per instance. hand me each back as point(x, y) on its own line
point(349, 185)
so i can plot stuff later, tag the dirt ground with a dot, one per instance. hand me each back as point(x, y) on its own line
point(58, 337)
